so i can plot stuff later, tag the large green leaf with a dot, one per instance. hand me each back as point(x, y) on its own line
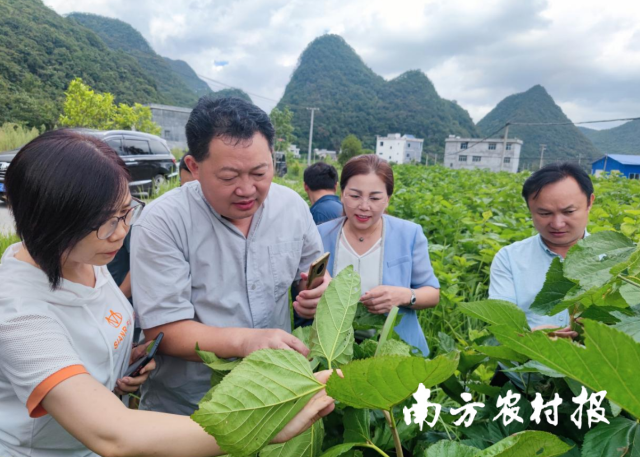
point(257, 399)
point(341, 449)
point(446, 448)
point(589, 262)
point(629, 325)
point(554, 290)
point(364, 320)
point(501, 352)
point(527, 444)
point(332, 331)
point(608, 361)
point(382, 382)
point(307, 444)
point(303, 334)
point(496, 312)
point(216, 363)
point(533, 366)
point(621, 437)
point(357, 425)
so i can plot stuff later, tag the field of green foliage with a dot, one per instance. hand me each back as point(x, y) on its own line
point(467, 217)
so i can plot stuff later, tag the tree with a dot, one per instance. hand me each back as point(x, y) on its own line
point(351, 147)
point(85, 108)
point(284, 129)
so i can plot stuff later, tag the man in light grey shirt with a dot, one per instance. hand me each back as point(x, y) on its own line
point(213, 260)
point(559, 197)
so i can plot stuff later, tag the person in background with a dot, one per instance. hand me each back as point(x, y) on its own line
point(213, 260)
point(185, 173)
point(320, 184)
point(65, 327)
point(390, 254)
point(559, 197)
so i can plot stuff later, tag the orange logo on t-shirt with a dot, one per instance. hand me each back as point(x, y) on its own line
point(114, 319)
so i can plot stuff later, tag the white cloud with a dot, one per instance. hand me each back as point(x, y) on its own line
point(585, 54)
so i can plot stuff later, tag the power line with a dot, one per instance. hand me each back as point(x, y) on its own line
point(575, 123)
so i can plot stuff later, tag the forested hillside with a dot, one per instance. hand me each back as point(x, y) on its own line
point(624, 139)
point(119, 35)
point(41, 52)
point(177, 83)
point(354, 100)
point(563, 142)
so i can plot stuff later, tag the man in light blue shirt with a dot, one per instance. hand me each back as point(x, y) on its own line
point(559, 197)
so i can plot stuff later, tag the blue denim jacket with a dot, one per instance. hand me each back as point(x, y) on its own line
point(406, 264)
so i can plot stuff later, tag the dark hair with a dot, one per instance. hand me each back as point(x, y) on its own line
point(321, 176)
point(60, 187)
point(364, 165)
point(553, 173)
point(183, 164)
point(231, 117)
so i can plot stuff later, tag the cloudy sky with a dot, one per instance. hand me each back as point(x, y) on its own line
point(585, 53)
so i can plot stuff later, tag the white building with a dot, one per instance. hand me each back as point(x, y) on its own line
point(294, 150)
point(324, 153)
point(488, 154)
point(399, 148)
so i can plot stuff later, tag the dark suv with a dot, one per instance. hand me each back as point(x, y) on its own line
point(147, 157)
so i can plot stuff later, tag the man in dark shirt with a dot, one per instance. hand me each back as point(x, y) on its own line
point(320, 183)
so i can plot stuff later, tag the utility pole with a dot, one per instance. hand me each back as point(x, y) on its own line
point(579, 160)
point(311, 134)
point(504, 144)
point(604, 170)
point(543, 147)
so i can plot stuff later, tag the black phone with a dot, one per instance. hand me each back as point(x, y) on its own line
point(136, 367)
point(316, 270)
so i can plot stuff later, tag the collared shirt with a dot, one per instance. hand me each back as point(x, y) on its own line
point(326, 208)
point(518, 272)
point(188, 262)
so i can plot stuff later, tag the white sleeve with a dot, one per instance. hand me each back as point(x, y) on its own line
point(36, 354)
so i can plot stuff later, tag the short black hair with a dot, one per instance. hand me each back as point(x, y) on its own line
point(321, 176)
point(183, 165)
point(60, 187)
point(553, 173)
point(228, 117)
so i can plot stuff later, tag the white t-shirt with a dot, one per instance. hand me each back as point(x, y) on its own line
point(47, 337)
point(367, 265)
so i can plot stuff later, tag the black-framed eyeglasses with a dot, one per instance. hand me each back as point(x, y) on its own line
point(108, 228)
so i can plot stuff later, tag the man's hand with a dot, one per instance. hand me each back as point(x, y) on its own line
point(255, 339)
point(128, 384)
point(381, 299)
point(307, 300)
point(319, 406)
point(561, 333)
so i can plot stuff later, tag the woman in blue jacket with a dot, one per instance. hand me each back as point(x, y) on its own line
point(390, 254)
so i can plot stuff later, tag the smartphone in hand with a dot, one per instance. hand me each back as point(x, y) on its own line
point(136, 367)
point(316, 271)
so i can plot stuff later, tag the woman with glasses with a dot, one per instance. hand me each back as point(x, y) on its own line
point(390, 254)
point(65, 327)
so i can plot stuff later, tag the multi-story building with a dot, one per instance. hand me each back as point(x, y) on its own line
point(491, 154)
point(172, 120)
point(399, 148)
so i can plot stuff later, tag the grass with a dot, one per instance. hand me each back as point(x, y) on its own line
point(6, 240)
point(13, 136)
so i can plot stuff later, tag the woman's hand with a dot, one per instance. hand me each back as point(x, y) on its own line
point(128, 384)
point(381, 299)
point(319, 406)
